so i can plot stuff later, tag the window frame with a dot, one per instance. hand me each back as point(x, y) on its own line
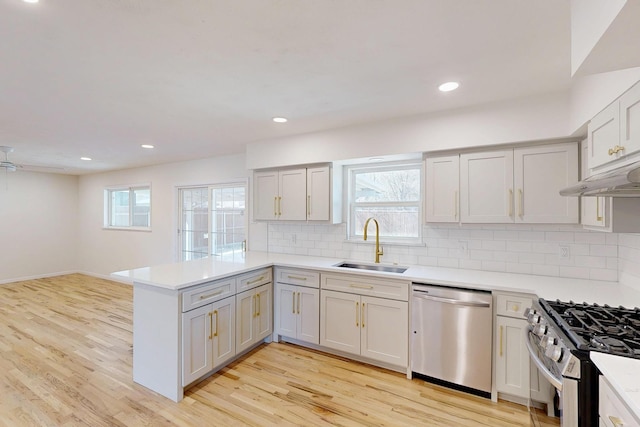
point(351, 172)
point(108, 217)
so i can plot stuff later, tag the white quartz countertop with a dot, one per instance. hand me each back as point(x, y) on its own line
point(180, 275)
point(623, 373)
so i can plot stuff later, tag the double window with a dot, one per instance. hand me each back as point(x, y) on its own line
point(128, 207)
point(389, 193)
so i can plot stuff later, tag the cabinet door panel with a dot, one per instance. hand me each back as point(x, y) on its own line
point(264, 316)
point(245, 325)
point(340, 321)
point(318, 194)
point(486, 187)
point(512, 358)
point(224, 338)
point(285, 310)
point(630, 120)
point(442, 186)
point(539, 174)
point(384, 330)
point(196, 344)
point(265, 193)
point(293, 195)
point(603, 134)
point(308, 306)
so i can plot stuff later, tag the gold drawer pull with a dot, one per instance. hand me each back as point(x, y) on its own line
point(615, 150)
point(298, 302)
point(357, 322)
point(215, 313)
point(617, 422)
point(251, 282)
point(362, 317)
point(501, 328)
point(354, 285)
point(598, 216)
point(297, 277)
point(210, 325)
point(211, 295)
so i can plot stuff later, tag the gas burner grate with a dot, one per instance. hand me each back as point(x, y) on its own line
point(594, 327)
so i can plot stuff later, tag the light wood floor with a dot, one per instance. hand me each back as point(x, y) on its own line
point(66, 360)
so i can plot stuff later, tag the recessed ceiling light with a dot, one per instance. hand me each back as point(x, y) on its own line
point(146, 146)
point(85, 158)
point(448, 86)
point(376, 159)
point(280, 120)
point(31, 1)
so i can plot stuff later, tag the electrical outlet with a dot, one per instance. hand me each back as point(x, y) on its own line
point(294, 238)
point(463, 248)
point(563, 251)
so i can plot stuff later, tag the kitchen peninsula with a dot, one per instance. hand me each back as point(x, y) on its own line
point(162, 295)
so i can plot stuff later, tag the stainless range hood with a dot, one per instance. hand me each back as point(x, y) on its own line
point(621, 182)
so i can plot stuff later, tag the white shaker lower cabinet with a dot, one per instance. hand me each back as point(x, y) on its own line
point(612, 409)
point(516, 378)
point(208, 337)
point(253, 316)
point(297, 304)
point(358, 323)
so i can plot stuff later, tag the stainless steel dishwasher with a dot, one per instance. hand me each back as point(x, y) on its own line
point(451, 337)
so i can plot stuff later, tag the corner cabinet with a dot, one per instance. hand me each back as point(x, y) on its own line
point(297, 304)
point(365, 317)
point(519, 185)
point(301, 194)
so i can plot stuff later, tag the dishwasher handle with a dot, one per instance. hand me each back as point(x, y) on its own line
point(452, 301)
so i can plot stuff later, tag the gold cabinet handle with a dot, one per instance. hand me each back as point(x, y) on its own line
point(501, 328)
point(510, 202)
point(251, 282)
point(296, 277)
point(362, 316)
point(293, 303)
point(455, 204)
point(355, 285)
point(617, 422)
point(298, 302)
point(253, 302)
point(520, 203)
point(275, 206)
point(615, 150)
point(258, 304)
point(598, 216)
point(357, 311)
point(210, 325)
point(309, 205)
point(211, 295)
point(279, 206)
point(215, 313)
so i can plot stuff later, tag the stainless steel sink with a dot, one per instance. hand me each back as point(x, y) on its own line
point(373, 267)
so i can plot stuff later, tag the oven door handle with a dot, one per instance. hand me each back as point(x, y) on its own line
point(557, 383)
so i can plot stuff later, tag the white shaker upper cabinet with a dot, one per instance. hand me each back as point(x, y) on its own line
point(280, 195)
point(319, 194)
point(486, 187)
point(539, 174)
point(442, 186)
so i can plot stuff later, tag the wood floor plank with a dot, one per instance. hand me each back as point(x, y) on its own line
point(66, 346)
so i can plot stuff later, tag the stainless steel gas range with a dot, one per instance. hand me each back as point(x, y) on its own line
point(560, 337)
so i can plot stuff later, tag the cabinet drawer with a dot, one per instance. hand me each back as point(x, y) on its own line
point(613, 412)
point(512, 305)
point(208, 293)
point(362, 285)
point(292, 276)
point(254, 278)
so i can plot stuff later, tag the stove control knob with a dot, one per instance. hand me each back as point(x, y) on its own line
point(540, 329)
point(554, 352)
point(547, 341)
point(533, 318)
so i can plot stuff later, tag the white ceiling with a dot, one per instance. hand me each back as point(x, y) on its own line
point(199, 78)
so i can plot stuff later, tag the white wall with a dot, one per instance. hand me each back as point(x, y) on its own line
point(629, 259)
point(104, 251)
point(38, 225)
point(537, 118)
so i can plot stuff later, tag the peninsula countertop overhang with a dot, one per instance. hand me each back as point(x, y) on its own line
point(179, 275)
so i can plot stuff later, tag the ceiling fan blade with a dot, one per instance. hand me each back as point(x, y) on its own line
point(40, 168)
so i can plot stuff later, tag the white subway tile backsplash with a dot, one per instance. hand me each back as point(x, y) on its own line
point(517, 248)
